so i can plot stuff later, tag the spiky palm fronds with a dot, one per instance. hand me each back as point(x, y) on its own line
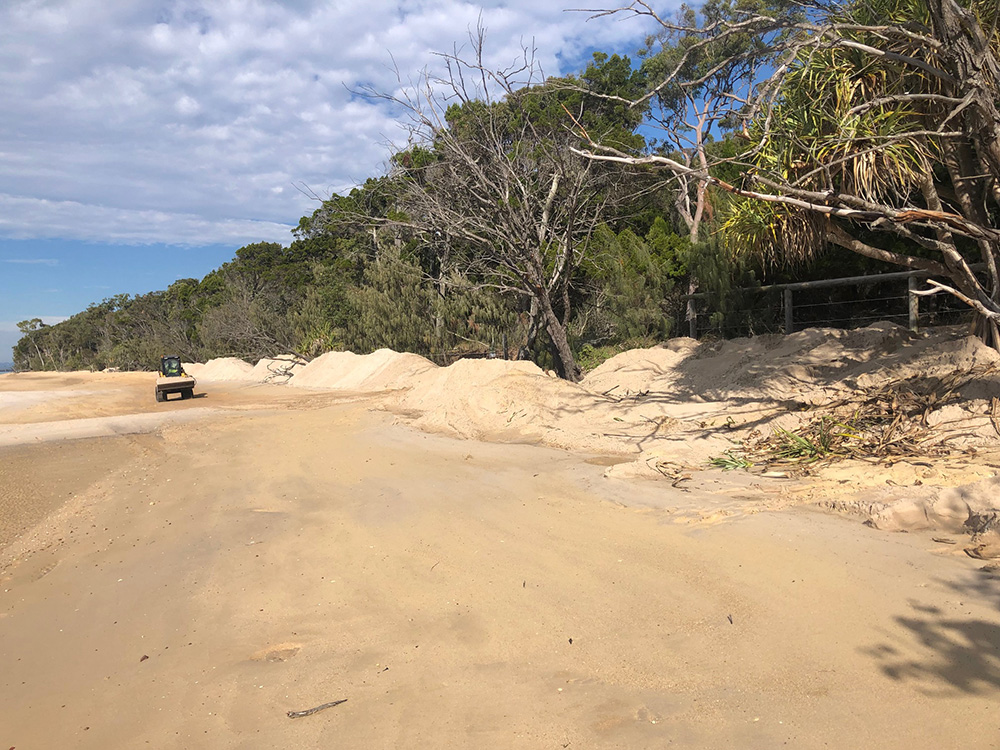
point(828, 133)
point(773, 233)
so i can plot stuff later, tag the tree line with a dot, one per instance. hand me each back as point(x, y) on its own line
point(562, 219)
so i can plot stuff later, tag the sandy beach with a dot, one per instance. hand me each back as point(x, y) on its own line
point(185, 574)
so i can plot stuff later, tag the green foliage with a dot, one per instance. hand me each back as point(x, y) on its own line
point(727, 280)
point(806, 446)
point(883, 144)
point(391, 309)
point(364, 272)
point(731, 460)
point(632, 285)
point(590, 357)
point(611, 121)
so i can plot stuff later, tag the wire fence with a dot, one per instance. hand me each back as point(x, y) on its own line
point(850, 302)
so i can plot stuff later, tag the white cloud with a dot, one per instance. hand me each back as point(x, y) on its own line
point(44, 219)
point(189, 121)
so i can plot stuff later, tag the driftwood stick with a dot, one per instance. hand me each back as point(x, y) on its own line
point(317, 709)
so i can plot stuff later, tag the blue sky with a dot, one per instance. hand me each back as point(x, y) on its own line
point(59, 277)
point(144, 141)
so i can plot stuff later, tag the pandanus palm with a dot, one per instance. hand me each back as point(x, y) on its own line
point(878, 124)
point(877, 128)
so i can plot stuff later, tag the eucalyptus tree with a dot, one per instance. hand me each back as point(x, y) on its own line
point(869, 124)
point(28, 353)
point(696, 74)
point(489, 175)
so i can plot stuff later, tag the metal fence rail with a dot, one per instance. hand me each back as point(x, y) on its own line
point(773, 308)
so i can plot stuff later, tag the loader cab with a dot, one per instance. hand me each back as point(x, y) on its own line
point(170, 367)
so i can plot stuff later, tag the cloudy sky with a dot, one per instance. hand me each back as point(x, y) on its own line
point(143, 141)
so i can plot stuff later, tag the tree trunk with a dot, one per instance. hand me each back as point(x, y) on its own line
point(973, 64)
point(38, 351)
point(524, 352)
point(565, 362)
point(442, 289)
point(986, 330)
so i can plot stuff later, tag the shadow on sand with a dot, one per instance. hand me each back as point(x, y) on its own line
point(949, 651)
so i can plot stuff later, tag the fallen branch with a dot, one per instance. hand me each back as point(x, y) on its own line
point(978, 306)
point(887, 423)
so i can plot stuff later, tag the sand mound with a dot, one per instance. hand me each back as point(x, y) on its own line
point(955, 509)
point(666, 411)
point(498, 399)
point(224, 368)
point(809, 366)
point(682, 402)
point(639, 370)
point(379, 371)
point(705, 395)
point(968, 510)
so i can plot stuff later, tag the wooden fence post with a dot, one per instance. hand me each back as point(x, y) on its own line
point(914, 300)
point(692, 307)
point(789, 318)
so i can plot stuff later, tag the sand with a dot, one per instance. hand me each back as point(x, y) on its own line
point(455, 552)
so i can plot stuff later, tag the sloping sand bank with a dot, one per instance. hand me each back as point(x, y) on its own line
point(684, 401)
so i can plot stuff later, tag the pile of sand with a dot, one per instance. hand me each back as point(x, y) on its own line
point(669, 409)
point(488, 400)
point(277, 369)
point(810, 366)
point(233, 369)
point(477, 399)
point(222, 369)
point(971, 509)
point(384, 370)
point(509, 401)
point(641, 370)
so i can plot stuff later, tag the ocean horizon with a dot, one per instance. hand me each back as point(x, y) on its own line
point(6, 366)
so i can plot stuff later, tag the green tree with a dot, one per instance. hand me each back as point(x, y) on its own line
point(873, 125)
point(28, 346)
point(633, 279)
point(392, 309)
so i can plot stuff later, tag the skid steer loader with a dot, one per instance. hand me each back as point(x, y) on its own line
point(172, 379)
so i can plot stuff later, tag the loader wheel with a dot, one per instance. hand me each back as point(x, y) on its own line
point(188, 393)
point(160, 396)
